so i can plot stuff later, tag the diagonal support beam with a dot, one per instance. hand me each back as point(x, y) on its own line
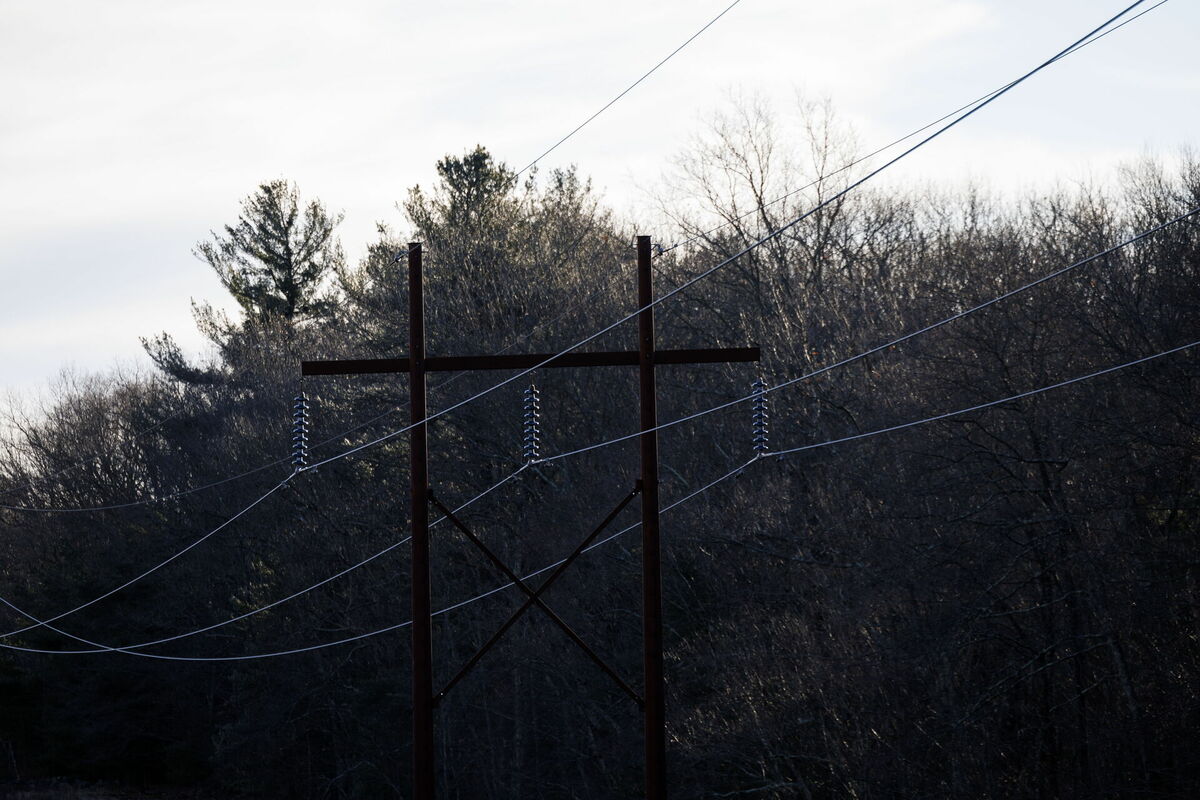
point(533, 597)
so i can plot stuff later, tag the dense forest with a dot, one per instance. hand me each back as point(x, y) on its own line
point(1003, 603)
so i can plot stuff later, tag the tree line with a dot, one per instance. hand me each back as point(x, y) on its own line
point(1001, 604)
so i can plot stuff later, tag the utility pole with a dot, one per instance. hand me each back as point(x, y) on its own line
point(424, 700)
point(422, 621)
point(652, 626)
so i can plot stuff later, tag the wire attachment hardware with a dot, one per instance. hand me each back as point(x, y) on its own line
point(759, 417)
point(300, 432)
point(531, 447)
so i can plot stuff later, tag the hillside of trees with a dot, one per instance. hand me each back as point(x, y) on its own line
point(1002, 604)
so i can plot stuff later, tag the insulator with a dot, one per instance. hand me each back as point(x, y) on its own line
point(531, 448)
point(759, 416)
point(300, 432)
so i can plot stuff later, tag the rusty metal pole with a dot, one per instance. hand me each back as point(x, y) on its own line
point(422, 632)
point(652, 626)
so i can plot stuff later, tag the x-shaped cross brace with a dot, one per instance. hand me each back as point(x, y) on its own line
point(534, 597)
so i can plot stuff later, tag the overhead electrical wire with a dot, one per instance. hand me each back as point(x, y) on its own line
point(627, 89)
point(848, 166)
point(1091, 36)
point(369, 634)
point(763, 240)
point(758, 393)
point(731, 473)
point(759, 242)
point(182, 493)
point(572, 307)
point(131, 648)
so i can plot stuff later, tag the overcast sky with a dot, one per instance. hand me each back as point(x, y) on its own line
point(130, 128)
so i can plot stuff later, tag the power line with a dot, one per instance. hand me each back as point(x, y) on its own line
point(753, 395)
point(701, 276)
point(1074, 46)
point(735, 471)
point(379, 631)
point(628, 89)
point(295, 594)
point(139, 645)
point(828, 368)
point(886, 345)
point(718, 266)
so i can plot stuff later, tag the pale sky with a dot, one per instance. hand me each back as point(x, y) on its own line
point(130, 128)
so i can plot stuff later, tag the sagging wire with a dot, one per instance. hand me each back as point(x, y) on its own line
point(735, 471)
